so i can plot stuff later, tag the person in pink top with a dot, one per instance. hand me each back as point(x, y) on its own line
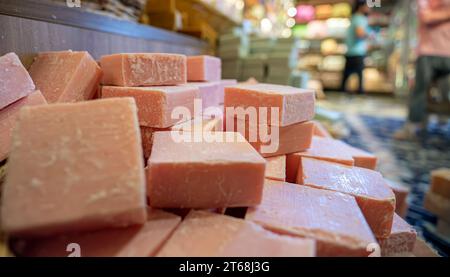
point(433, 61)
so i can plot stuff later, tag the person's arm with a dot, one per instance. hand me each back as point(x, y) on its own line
point(430, 17)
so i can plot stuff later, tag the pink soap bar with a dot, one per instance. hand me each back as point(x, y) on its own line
point(294, 105)
point(15, 82)
point(401, 240)
point(401, 194)
point(208, 93)
point(363, 158)
point(66, 76)
point(374, 196)
point(135, 241)
point(272, 141)
point(222, 172)
point(74, 167)
point(276, 168)
point(332, 219)
point(143, 69)
point(223, 84)
point(155, 104)
point(203, 68)
point(320, 130)
point(8, 117)
point(204, 234)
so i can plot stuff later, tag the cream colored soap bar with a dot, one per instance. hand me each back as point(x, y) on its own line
point(204, 234)
point(66, 76)
point(74, 167)
point(156, 104)
point(293, 105)
point(143, 69)
point(135, 241)
point(15, 82)
point(332, 219)
point(8, 117)
point(183, 173)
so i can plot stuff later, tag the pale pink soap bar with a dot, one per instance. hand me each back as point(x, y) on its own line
point(15, 82)
point(8, 117)
point(156, 104)
point(332, 219)
point(363, 158)
point(208, 93)
point(189, 171)
point(204, 68)
point(74, 167)
point(293, 105)
point(401, 240)
point(223, 84)
point(143, 69)
point(205, 234)
point(66, 76)
point(276, 168)
point(134, 241)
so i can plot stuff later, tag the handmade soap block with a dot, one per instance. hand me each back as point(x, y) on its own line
point(15, 82)
point(362, 158)
point(317, 214)
point(66, 76)
point(204, 234)
point(272, 141)
point(183, 173)
point(74, 167)
point(204, 68)
point(294, 105)
point(156, 104)
point(8, 117)
point(208, 93)
point(143, 69)
point(320, 130)
point(400, 241)
point(134, 241)
point(276, 168)
point(440, 182)
point(401, 194)
point(374, 196)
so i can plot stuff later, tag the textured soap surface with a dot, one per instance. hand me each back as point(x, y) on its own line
point(276, 168)
point(204, 68)
point(66, 76)
point(134, 241)
point(375, 198)
point(143, 69)
point(156, 104)
point(294, 105)
point(313, 213)
point(8, 117)
point(15, 82)
point(189, 174)
point(204, 234)
point(74, 167)
point(401, 240)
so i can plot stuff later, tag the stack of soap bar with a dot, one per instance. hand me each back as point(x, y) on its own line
point(400, 241)
point(156, 104)
point(203, 68)
point(183, 173)
point(320, 130)
point(317, 214)
point(74, 167)
point(204, 234)
point(374, 196)
point(134, 241)
point(143, 69)
point(208, 93)
point(15, 82)
point(66, 76)
point(294, 105)
point(8, 117)
point(401, 194)
point(276, 168)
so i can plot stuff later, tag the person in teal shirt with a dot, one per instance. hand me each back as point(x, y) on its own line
point(356, 42)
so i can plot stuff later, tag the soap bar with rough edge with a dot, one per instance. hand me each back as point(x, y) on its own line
point(321, 215)
point(66, 76)
point(8, 117)
point(15, 82)
point(222, 172)
point(74, 167)
point(203, 68)
point(156, 104)
point(294, 105)
point(204, 234)
point(143, 69)
point(276, 168)
point(401, 240)
point(375, 198)
point(134, 241)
